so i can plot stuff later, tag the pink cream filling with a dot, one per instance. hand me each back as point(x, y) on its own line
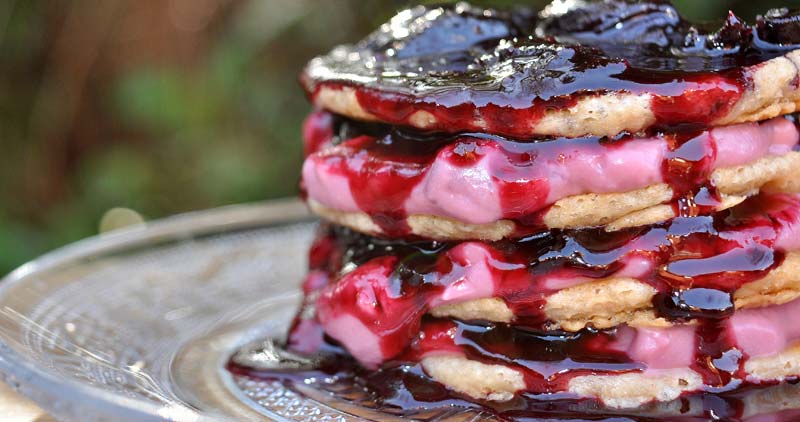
point(472, 192)
point(766, 331)
point(658, 348)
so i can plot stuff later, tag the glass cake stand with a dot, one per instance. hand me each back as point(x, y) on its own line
point(136, 325)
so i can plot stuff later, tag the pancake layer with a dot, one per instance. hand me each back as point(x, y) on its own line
point(677, 272)
point(381, 181)
point(562, 72)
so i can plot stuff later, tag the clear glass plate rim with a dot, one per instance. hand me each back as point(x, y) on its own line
point(17, 368)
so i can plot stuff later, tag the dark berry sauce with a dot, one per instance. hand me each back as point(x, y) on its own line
point(483, 70)
point(687, 169)
point(547, 360)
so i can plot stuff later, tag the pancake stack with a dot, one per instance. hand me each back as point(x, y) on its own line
point(595, 200)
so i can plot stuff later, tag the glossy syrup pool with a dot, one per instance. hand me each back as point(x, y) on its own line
point(403, 390)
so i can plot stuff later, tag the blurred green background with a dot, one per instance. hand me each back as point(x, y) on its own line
point(166, 106)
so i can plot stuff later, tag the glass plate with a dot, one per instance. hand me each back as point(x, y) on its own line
point(136, 325)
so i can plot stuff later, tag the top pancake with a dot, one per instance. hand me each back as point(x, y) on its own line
point(576, 68)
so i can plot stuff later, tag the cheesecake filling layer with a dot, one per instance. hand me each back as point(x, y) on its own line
point(382, 289)
point(480, 179)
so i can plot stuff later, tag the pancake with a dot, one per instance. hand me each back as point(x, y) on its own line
point(380, 181)
point(684, 270)
point(562, 73)
point(611, 302)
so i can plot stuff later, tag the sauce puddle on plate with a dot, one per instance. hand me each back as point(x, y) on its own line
point(405, 391)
